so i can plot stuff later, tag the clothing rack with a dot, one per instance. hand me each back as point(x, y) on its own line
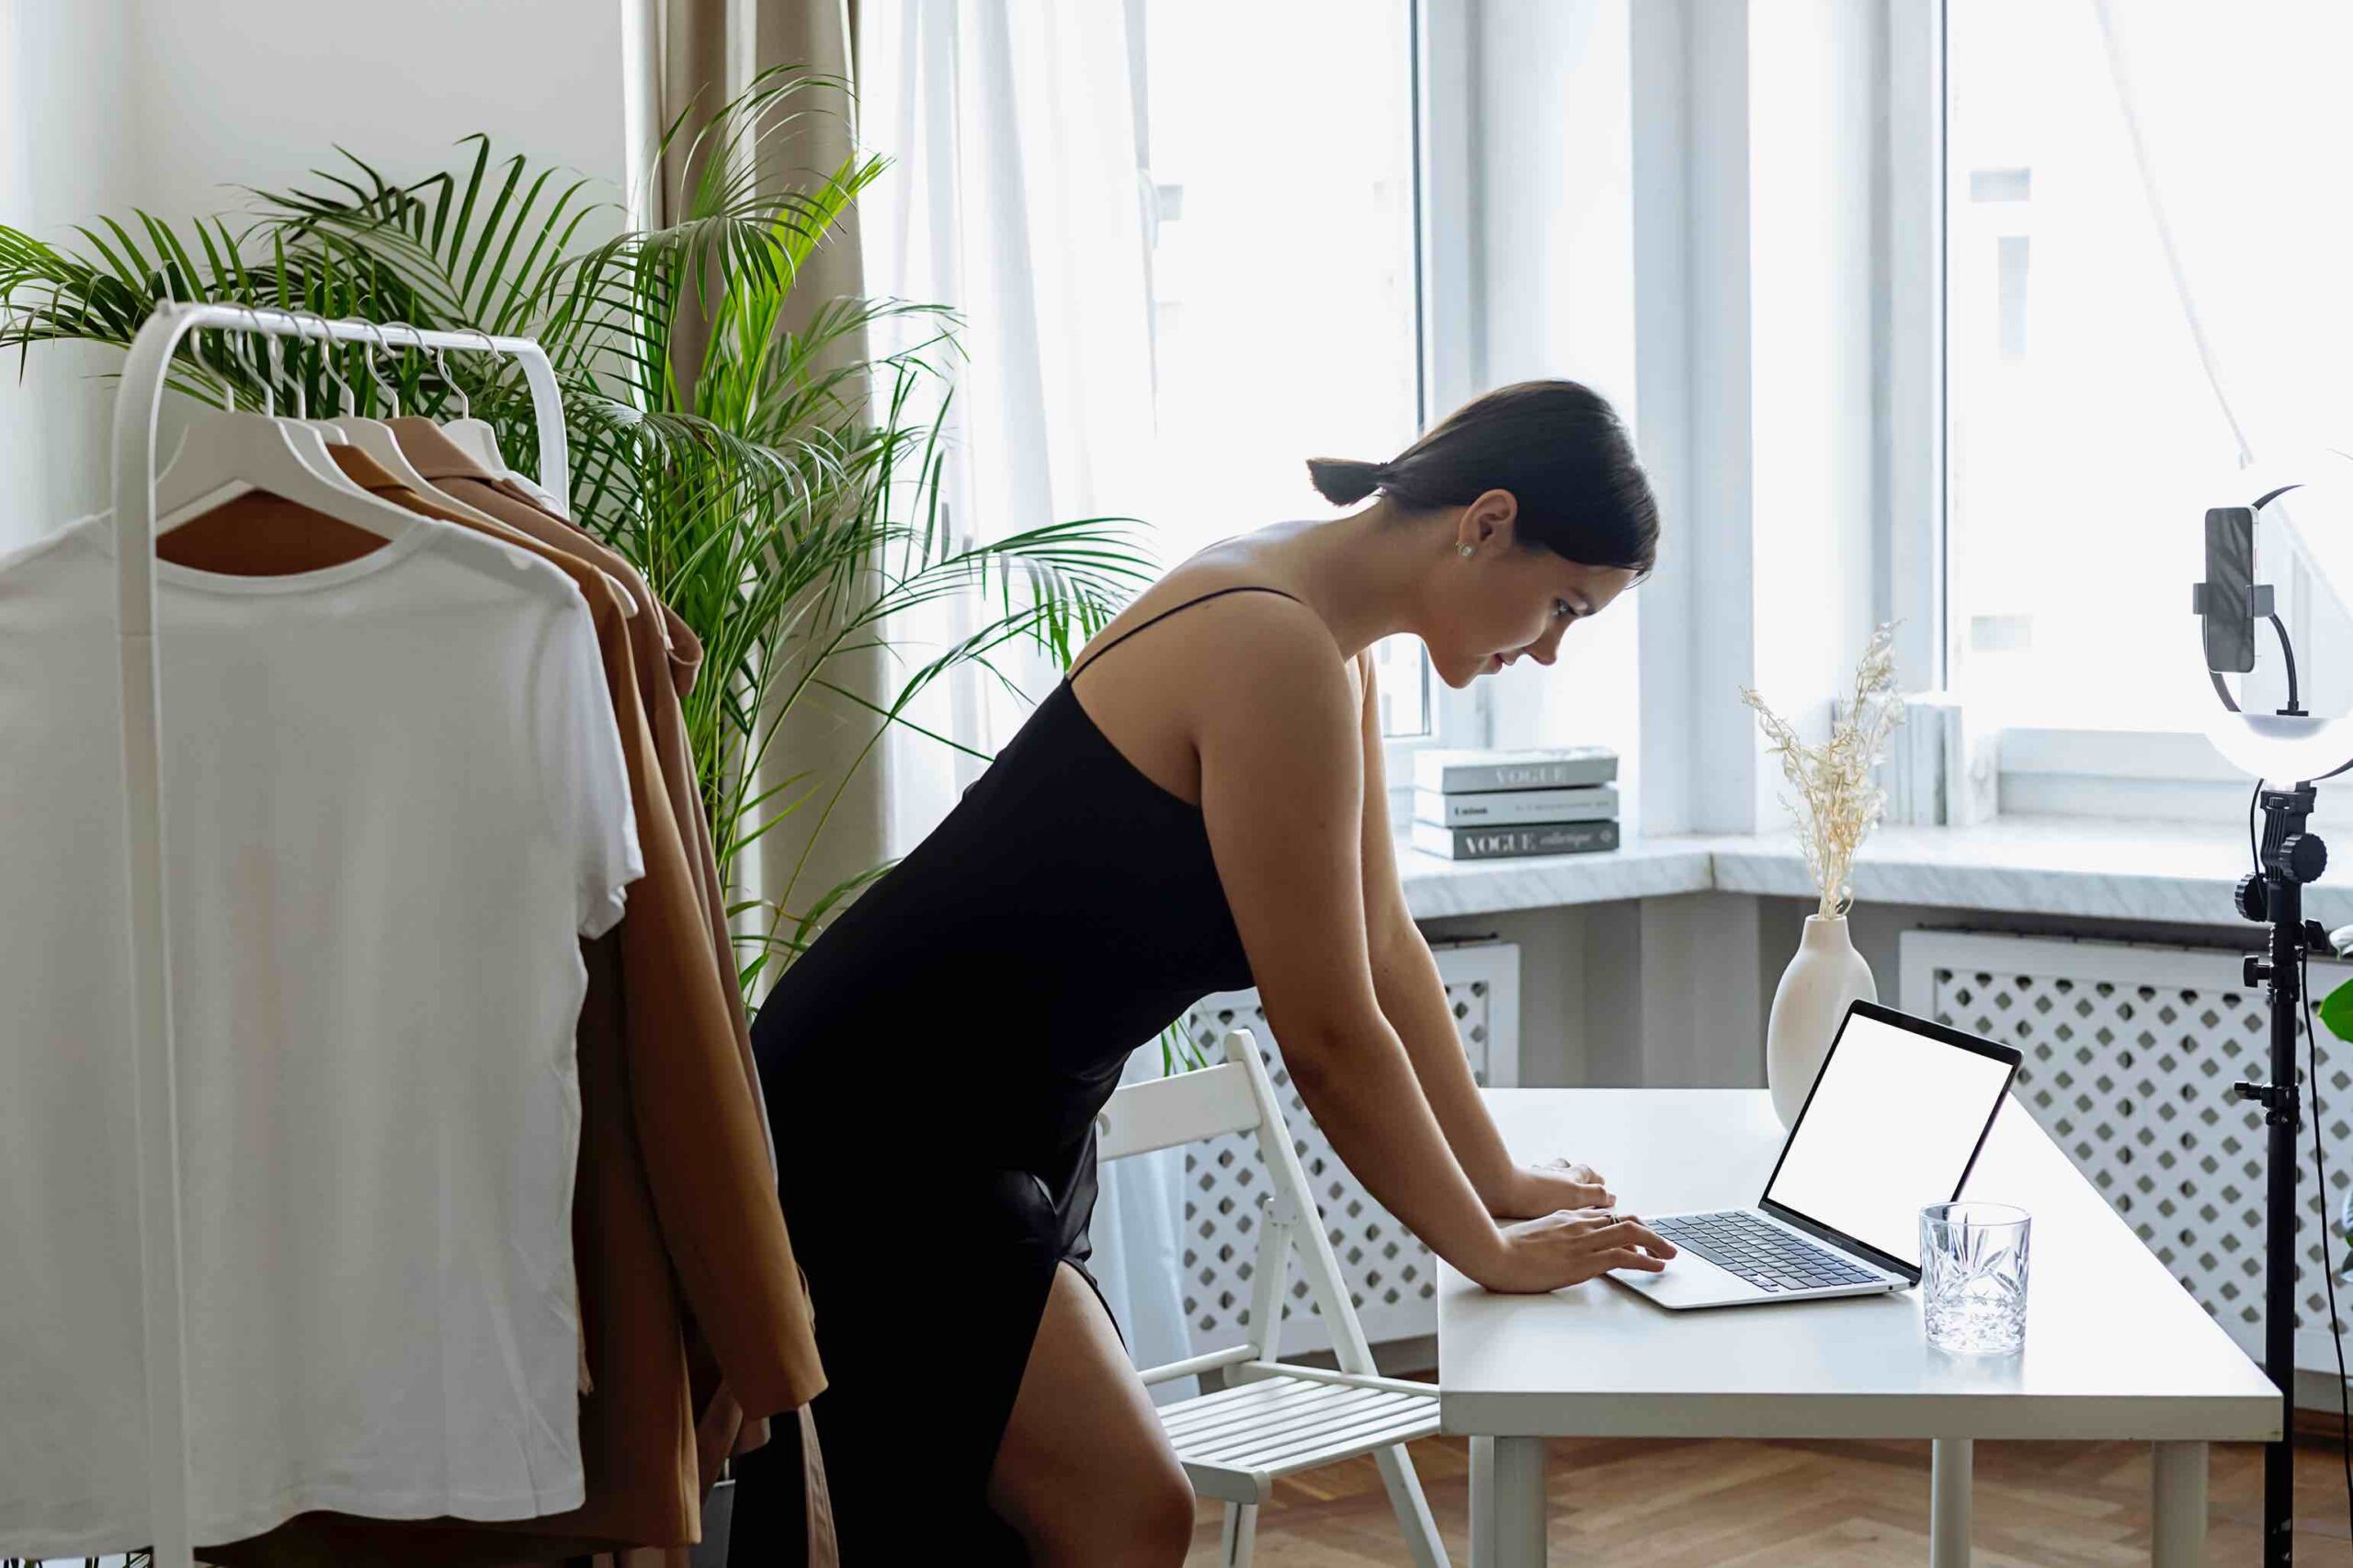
point(138, 404)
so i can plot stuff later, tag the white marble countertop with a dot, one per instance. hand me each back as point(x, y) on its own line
point(2174, 872)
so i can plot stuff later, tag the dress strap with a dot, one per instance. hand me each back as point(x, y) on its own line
point(1163, 615)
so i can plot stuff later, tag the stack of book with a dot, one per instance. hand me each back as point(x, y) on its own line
point(1492, 805)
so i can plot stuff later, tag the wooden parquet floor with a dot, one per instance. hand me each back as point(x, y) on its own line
point(1811, 1504)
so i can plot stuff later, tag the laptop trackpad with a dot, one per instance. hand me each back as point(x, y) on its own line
point(1690, 1281)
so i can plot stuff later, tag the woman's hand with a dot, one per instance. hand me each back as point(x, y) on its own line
point(1571, 1247)
point(1534, 1190)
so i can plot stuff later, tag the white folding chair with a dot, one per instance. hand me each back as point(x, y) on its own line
point(1271, 1419)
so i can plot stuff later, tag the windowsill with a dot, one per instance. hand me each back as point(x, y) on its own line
point(2168, 872)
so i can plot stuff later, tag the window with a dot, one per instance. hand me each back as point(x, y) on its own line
point(1281, 149)
point(2140, 260)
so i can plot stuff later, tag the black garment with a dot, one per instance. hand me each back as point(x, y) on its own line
point(934, 1064)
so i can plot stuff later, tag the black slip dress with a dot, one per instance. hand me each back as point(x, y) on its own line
point(933, 1066)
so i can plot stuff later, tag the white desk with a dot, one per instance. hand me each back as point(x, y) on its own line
point(2114, 1350)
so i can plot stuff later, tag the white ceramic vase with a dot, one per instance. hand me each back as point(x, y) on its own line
point(1825, 976)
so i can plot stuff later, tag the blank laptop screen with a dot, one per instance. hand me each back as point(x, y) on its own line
point(1890, 1129)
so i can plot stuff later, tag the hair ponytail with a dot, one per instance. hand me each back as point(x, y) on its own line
point(1344, 482)
point(1557, 446)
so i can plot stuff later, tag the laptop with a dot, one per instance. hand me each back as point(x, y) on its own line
point(1893, 1123)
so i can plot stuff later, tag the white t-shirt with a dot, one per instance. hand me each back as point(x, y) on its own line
point(395, 796)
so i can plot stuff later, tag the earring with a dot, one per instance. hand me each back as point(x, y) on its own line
point(1463, 550)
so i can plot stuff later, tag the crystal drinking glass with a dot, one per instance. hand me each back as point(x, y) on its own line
point(1972, 1277)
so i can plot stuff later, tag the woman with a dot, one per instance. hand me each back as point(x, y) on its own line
point(1198, 807)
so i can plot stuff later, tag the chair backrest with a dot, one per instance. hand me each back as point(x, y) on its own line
point(1169, 1111)
point(1237, 1097)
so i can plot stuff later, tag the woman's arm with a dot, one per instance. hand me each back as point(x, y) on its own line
point(1282, 795)
point(1411, 996)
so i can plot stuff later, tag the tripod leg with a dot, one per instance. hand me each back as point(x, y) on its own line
point(2283, 897)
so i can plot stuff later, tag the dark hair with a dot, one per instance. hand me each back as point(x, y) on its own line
point(1558, 447)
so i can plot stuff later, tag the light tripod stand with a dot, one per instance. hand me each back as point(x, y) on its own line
point(2290, 857)
point(2290, 742)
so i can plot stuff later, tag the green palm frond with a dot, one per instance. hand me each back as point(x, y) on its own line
point(774, 473)
point(481, 247)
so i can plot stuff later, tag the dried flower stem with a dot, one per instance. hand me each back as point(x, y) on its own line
point(1836, 803)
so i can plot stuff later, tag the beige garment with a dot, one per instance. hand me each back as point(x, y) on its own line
point(458, 476)
point(721, 1427)
point(676, 1208)
point(451, 471)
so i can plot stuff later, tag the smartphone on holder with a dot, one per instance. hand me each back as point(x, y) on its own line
point(2226, 599)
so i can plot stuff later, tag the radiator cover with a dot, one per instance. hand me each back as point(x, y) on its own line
point(1390, 1276)
point(2130, 1054)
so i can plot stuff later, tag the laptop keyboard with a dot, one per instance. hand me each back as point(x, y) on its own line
point(1764, 1255)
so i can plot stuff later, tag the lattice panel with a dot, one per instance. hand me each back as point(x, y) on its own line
point(1390, 1276)
point(2131, 1052)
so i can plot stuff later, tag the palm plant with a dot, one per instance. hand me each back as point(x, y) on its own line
point(776, 483)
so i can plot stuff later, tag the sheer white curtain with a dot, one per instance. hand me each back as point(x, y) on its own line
point(1018, 200)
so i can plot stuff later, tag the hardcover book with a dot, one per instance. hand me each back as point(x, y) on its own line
point(1500, 808)
point(1459, 772)
point(1507, 843)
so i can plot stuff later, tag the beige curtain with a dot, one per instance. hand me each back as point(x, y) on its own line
point(687, 58)
point(695, 54)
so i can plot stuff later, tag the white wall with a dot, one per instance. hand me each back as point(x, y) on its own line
point(258, 92)
point(68, 150)
point(107, 105)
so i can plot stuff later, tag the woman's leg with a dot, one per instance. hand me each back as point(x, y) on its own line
point(1084, 1472)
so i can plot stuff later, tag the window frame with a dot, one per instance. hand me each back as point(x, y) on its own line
point(1444, 198)
point(1438, 53)
point(1911, 580)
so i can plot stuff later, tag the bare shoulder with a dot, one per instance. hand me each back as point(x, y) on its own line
point(1253, 678)
point(1239, 623)
point(1273, 656)
point(1274, 725)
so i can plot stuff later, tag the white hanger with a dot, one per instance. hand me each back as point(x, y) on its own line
point(330, 428)
point(376, 440)
point(475, 438)
point(399, 464)
point(228, 454)
point(176, 483)
point(479, 441)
